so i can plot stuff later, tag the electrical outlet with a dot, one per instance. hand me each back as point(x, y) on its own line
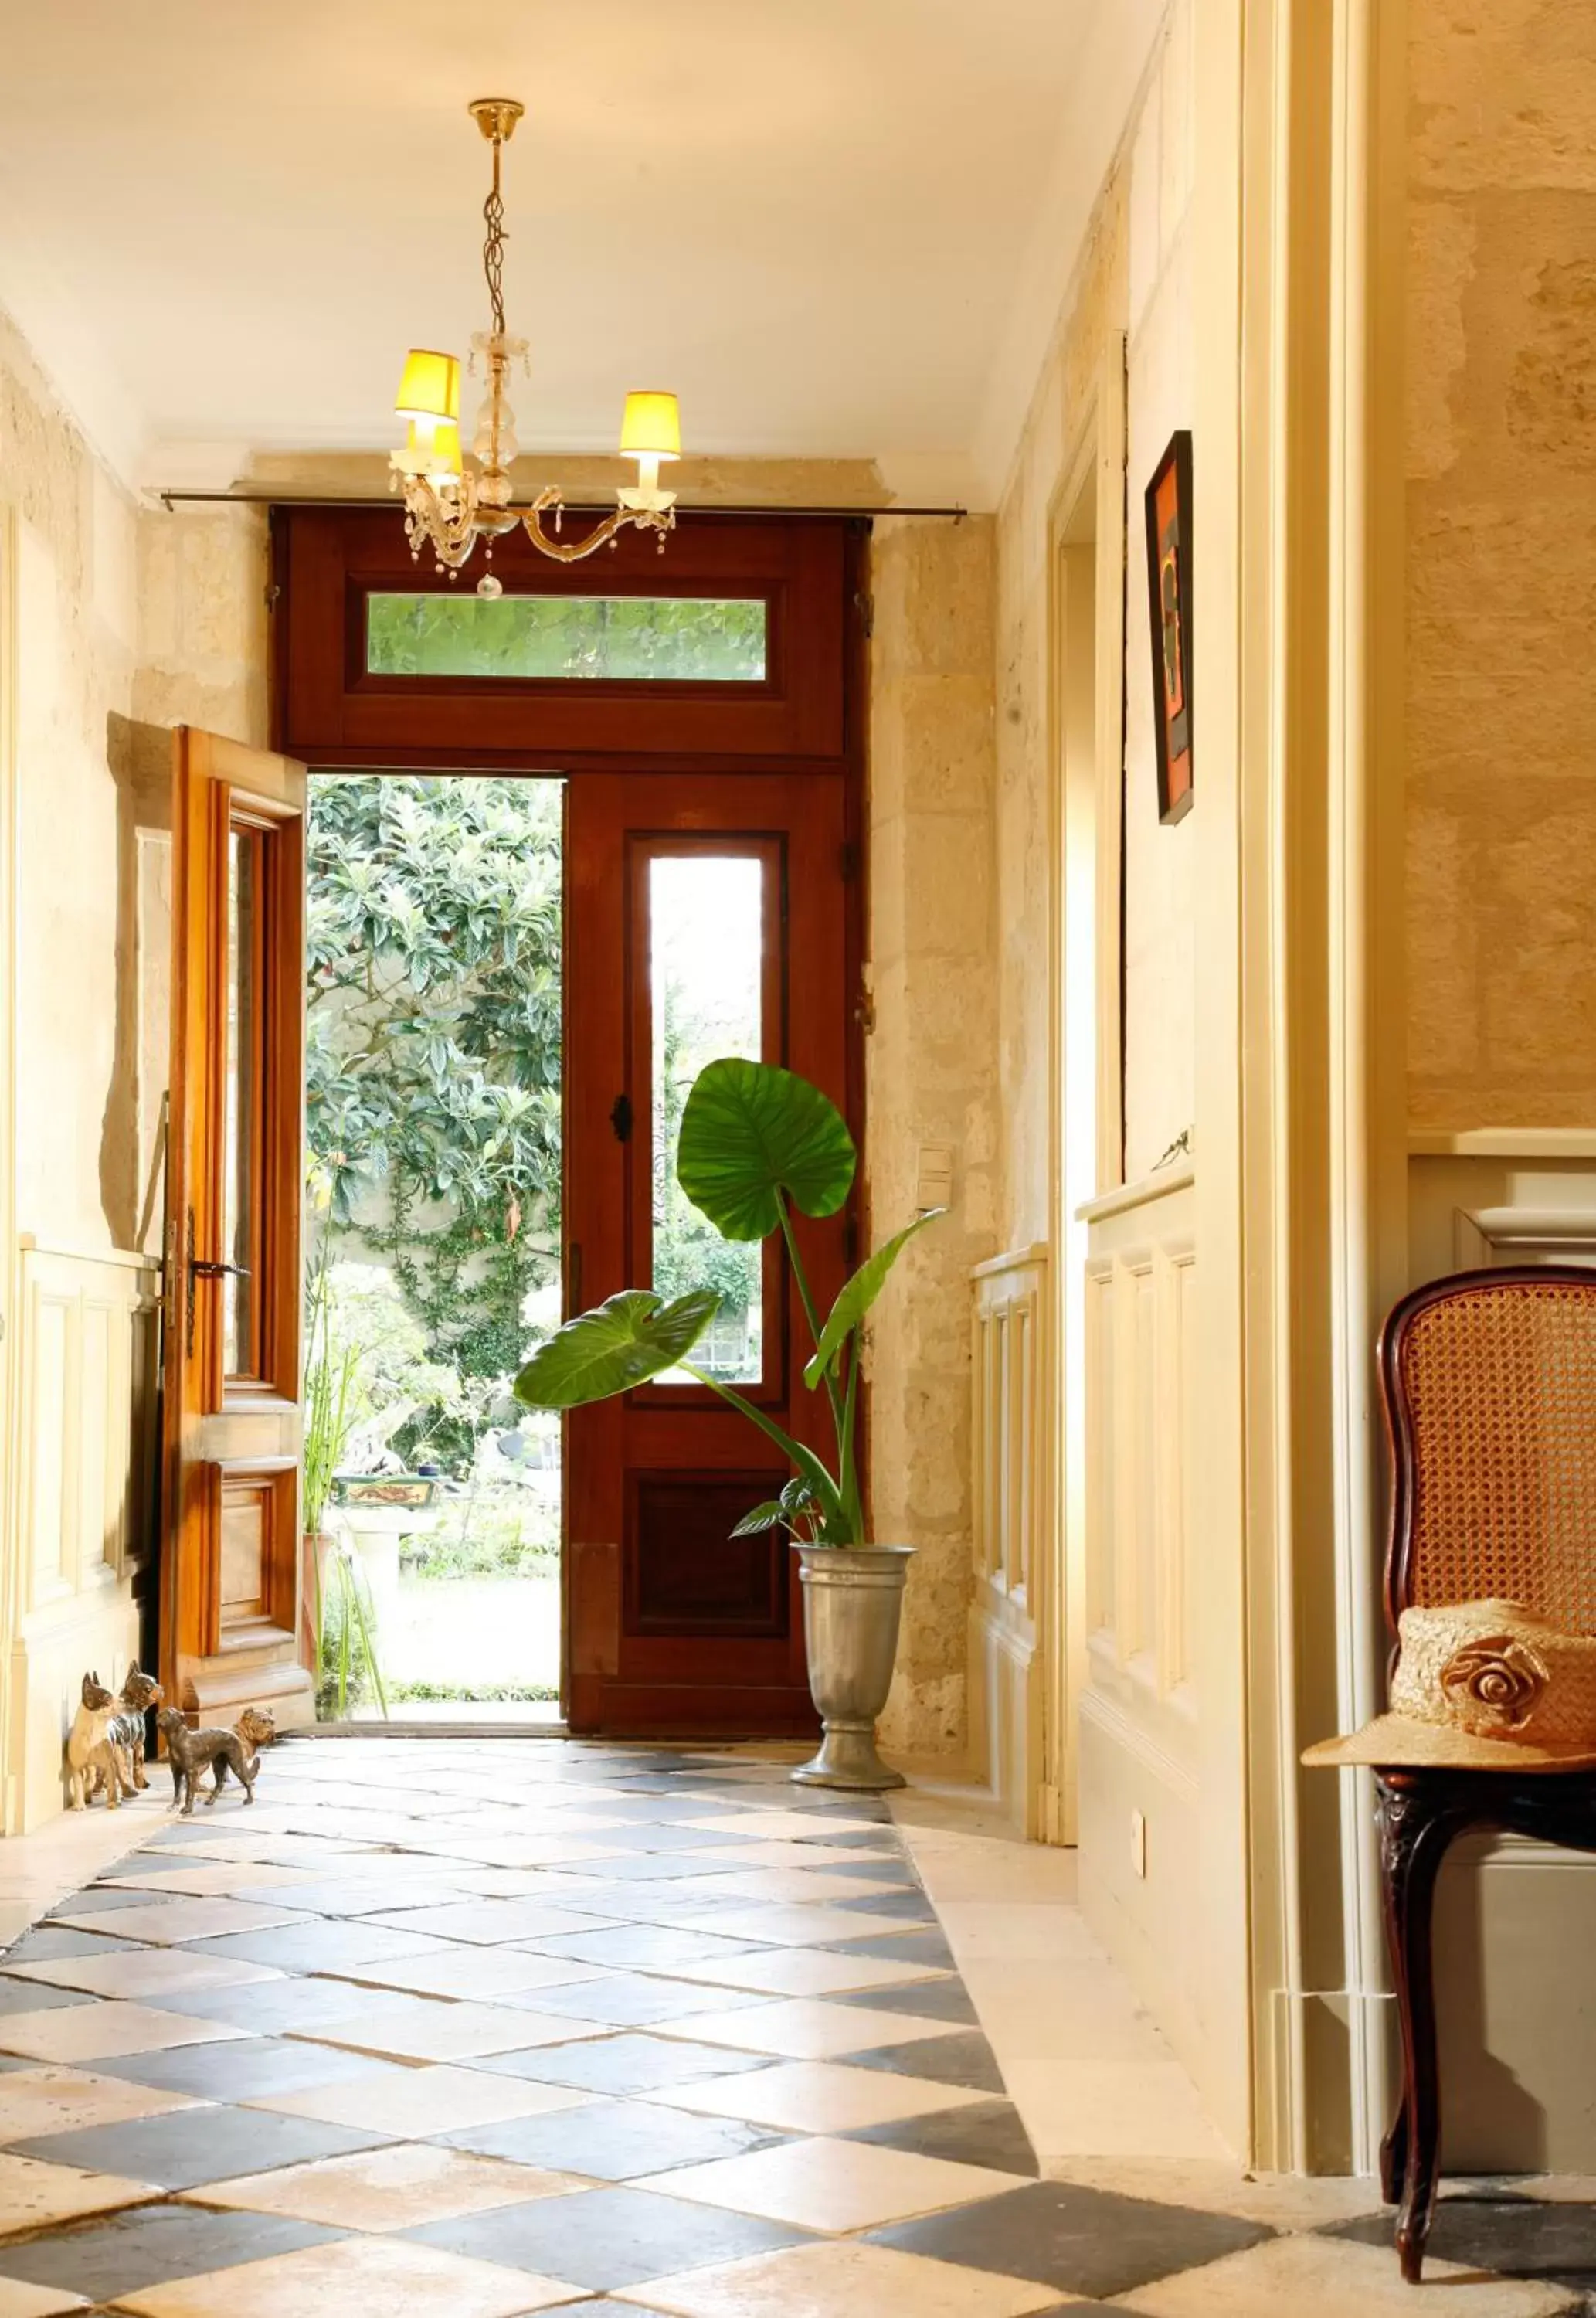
point(1139, 1845)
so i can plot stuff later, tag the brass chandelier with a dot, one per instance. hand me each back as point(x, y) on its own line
point(449, 506)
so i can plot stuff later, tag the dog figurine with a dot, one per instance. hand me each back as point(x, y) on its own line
point(140, 1691)
point(258, 1728)
point(189, 1752)
point(92, 1755)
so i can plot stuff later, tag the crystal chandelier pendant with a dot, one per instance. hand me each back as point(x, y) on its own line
point(449, 507)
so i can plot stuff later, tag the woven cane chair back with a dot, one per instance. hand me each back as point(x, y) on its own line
point(1490, 1390)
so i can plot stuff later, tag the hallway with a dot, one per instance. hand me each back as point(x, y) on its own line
point(488, 2028)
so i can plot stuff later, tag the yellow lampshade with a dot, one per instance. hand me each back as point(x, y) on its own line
point(430, 387)
point(651, 428)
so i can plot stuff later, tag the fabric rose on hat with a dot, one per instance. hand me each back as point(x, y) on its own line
point(1492, 1684)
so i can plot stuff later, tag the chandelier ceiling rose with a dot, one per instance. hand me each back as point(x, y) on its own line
point(449, 506)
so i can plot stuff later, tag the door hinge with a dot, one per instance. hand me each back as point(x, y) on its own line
point(864, 1011)
point(848, 862)
point(865, 608)
point(621, 1117)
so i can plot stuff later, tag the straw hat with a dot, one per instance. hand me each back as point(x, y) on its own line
point(1481, 1686)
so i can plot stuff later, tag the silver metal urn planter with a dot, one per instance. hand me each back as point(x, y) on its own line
point(853, 1601)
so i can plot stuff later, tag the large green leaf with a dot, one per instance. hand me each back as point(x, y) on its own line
point(635, 1336)
point(750, 1132)
point(858, 1295)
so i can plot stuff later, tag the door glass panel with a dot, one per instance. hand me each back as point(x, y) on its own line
point(239, 1134)
point(706, 946)
point(623, 639)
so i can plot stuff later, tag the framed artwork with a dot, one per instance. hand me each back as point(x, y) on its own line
point(1169, 586)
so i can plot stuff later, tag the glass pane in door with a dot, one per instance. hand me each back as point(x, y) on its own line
point(706, 952)
point(239, 1351)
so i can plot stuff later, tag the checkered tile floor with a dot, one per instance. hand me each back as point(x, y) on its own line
point(488, 2028)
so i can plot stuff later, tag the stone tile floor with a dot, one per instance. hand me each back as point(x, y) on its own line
point(483, 2027)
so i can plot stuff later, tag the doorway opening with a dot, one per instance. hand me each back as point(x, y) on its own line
point(694, 886)
point(434, 1155)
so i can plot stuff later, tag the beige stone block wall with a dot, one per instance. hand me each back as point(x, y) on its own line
point(77, 622)
point(1502, 503)
point(931, 1075)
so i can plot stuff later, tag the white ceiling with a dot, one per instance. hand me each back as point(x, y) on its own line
point(837, 228)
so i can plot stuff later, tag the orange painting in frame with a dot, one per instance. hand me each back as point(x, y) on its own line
point(1169, 586)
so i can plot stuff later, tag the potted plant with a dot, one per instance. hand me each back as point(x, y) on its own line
point(756, 1142)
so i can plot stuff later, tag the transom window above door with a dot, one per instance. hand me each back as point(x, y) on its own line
point(738, 655)
point(567, 638)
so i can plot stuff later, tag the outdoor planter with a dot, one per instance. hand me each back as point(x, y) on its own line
point(853, 1601)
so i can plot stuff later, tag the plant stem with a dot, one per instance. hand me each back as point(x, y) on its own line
point(827, 1494)
point(853, 1504)
point(813, 1318)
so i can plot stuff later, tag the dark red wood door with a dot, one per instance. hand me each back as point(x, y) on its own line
point(706, 915)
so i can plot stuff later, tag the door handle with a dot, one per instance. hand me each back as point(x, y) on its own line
point(196, 1268)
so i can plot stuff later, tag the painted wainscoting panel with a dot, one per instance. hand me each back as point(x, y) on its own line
point(1515, 1921)
point(1139, 1738)
point(87, 1434)
point(1011, 1498)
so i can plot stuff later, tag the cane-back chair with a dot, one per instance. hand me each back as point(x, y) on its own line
point(1489, 1385)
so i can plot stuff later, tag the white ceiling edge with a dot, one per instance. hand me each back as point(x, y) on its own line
point(76, 368)
point(1111, 67)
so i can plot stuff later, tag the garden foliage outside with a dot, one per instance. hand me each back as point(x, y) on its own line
point(434, 1128)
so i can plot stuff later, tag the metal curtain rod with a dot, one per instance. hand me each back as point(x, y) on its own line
point(170, 499)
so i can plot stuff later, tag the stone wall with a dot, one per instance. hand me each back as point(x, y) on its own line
point(130, 620)
point(931, 1075)
point(1501, 504)
point(77, 620)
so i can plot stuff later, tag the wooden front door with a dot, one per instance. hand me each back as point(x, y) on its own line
point(231, 1627)
point(706, 915)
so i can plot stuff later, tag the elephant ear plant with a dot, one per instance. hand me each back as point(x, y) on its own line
point(758, 1144)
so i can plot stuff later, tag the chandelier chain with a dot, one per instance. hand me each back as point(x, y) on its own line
point(493, 248)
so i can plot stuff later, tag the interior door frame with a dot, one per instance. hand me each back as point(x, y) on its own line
point(830, 558)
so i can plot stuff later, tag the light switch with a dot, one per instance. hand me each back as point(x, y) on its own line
point(934, 1176)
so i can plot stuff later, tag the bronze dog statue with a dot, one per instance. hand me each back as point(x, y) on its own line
point(189, 1752)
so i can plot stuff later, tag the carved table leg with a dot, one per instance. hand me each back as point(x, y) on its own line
point(1415, 1830)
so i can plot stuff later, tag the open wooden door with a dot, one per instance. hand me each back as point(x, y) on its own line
point(231, 1631)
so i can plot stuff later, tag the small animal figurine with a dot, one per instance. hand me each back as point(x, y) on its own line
point(258, 1728)
point(140, 1691)
point(189, 1752)
point(93, 1755)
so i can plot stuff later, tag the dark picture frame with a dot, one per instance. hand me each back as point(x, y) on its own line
point(1168, 605)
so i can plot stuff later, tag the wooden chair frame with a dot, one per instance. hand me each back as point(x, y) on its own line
point(1422, 1811)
